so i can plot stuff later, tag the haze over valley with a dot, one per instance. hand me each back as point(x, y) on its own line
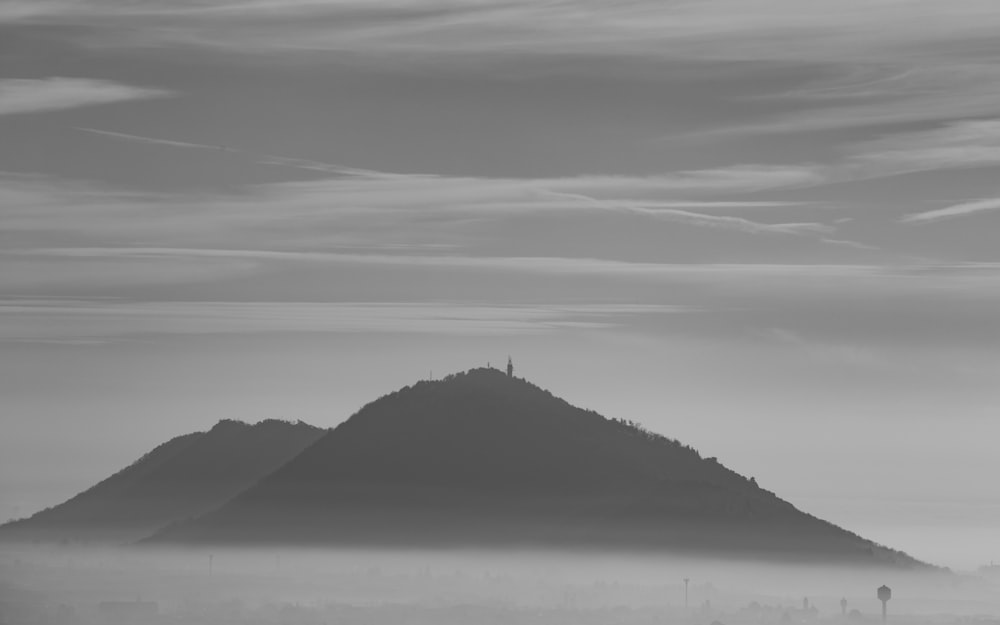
point(489, 312)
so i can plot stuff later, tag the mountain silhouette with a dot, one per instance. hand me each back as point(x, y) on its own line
point(482, 459)
point(186, 476)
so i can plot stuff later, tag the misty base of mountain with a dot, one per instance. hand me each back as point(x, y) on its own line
point(622, 522)
point(478, 459)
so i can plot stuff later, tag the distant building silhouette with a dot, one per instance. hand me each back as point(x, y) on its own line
point(884, 594)
point(510, 367)
point(991, 570)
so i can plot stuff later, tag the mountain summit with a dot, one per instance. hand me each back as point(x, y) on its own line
point(186, 476)
point(482, 458)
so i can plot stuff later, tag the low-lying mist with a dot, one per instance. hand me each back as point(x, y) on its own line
point(66, 585)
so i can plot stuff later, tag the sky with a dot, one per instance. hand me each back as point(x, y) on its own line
point(767, 228)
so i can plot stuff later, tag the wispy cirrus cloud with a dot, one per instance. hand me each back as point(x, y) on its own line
point(912, 90)
point(65, 319)
point(955, 210)
point(771, 29)
point(472, 295)
point(122, 136)
point(545, 265)
point(955, 145)
point(939, 66)
point(679, 212)
point(38, 95)
point(735, 178)
point(266, 159)
point(806, 277)
point(369, 223)
point(47, 205)
point(739, 224)
point(951, 145)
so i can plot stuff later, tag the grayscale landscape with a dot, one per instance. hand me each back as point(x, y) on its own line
point(462, 312)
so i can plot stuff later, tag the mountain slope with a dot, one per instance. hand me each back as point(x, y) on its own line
point(481, 459)
point(186, 476)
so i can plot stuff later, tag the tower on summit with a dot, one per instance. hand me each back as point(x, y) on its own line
point(510, 367)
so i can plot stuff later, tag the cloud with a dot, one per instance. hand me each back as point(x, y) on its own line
point(82, 269)
point(357, 199)
point(955, 210)
point(851, 244)
point(71, 237)
point(385, 219)
point(955, 145)
point(806, 277)
point(663, 210)
point(952, 145)
point(739, 223)
point(933, 61)
point(384, 188)
point(48, 320)
point(36, 95)
point(266, 159)
point(148, 140)
point(545, 265)
point(736, 178)
point(836, 304)
point(916, 90)
point(770, 29)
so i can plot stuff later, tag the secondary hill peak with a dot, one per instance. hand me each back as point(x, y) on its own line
point(183, 477)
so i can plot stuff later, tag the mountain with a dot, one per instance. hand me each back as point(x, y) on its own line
point(186, 476)
point(483, 459)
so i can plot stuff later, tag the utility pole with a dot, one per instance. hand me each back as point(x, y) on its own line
point(686, 580)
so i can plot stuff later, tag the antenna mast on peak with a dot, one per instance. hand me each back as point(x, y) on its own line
point(510, 367)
